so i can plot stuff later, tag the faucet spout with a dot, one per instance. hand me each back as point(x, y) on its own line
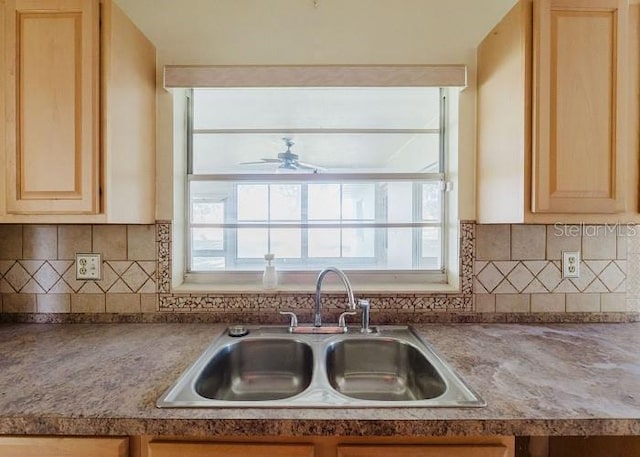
point(317, 313)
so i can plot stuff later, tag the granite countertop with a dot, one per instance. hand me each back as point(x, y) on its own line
point(104, 379)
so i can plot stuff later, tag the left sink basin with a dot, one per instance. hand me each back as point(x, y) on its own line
point(256, 370)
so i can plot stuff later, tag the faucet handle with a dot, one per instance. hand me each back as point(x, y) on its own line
point(342, 321)
point(293, 323)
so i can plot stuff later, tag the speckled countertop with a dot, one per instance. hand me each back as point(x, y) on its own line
point(104, 379)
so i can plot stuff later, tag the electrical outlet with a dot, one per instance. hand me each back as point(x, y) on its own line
point(88, 266)
point(570, 264)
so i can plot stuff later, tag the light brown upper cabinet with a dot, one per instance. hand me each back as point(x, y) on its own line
point(79, 114)
point(554, 104)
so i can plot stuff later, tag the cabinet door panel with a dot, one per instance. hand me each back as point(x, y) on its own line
point(67, 447)
point(52, 106)
point(423, 451)
point(579, 106)
point(174, 449)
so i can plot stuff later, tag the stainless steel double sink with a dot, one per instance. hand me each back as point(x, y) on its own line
point(271, 367)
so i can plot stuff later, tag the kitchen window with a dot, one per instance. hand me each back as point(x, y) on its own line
point(352, 177)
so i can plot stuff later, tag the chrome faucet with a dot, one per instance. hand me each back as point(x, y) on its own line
point(317, 314)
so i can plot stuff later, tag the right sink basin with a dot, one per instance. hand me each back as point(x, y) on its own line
point(382, 369)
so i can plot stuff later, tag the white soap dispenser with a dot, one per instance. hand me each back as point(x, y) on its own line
point(269, 277)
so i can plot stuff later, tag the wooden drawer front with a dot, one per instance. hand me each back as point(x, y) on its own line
point(63, 447)
point(178, 449)
point(468, 450)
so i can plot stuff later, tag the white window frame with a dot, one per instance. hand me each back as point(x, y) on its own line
point(325, 76)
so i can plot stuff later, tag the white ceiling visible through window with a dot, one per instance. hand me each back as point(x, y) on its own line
point(339, 129)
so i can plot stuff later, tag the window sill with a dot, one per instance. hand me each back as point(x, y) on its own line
point(377, 288)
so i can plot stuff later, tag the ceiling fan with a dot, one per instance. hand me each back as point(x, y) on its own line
point(288, 160)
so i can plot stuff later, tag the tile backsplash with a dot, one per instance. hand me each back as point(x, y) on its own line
point(37, 269)
point(505, 269)
point(517, 268)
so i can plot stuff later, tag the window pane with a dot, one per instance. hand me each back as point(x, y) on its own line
point(400, 248)
point(285, 202)
point(253, 202)
point(252, 243)
point(334, 152)
point(208, 201)
point(326, 107)
point(349, 131)
point(358, 243)
point(324, 242)
point(358, 201)
point(400, 201)
point(431, 247)
point(206, 212)
point(432, 201)
point(207, 263)
point(207, 239)
point(324, 202)
point(286, 243)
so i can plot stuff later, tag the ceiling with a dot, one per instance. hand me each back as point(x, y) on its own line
point(236, 32)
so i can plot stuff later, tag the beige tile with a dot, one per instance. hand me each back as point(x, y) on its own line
point(149, 303)
point(110, 241)
point(135, 277)
point(88, 303)
point(141, 242)
point(528, 242)
point(17, 277)
point(562, 237)
point(489, 277)
point(18, 303)
point(40, 242)
point(513, 303)
point(73, 239)
point(10, 242)
point(614, 303)
point(612, 276)
point(599, 242)
point(583, 303)
point(547, 303)
point(632, 235)
point(633, 305)
point(485, 303)
point(623, 232)
point(123, 303)
point(493, 242)
point(53, 303)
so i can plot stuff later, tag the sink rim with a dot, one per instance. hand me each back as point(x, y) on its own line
point(320, 393)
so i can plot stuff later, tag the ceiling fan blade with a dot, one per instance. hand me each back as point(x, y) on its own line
point(261, 161)
point(310, 166)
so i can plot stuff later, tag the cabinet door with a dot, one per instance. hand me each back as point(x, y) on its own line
point(462, 450)
point(579, 96)
point(185, 449)
point(52, 106)
point(67, 447)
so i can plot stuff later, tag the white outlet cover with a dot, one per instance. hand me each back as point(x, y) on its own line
point(88, 266)
point(570, 264)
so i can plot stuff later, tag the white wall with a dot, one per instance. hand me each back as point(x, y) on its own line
point(254, 32)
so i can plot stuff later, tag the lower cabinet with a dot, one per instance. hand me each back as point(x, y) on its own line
point(29, 446)
point(333, 447)
point(184, 449)
point(429, 450)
